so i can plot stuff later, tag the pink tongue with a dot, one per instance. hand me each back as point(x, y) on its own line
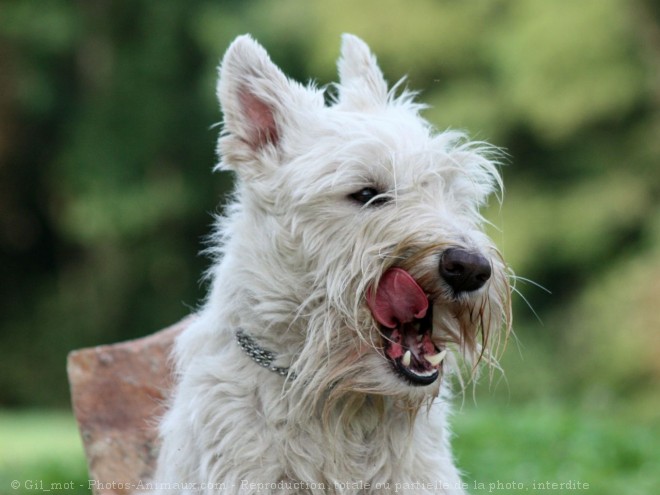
point(398, 299)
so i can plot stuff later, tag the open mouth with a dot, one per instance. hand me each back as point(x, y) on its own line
point(405, 318)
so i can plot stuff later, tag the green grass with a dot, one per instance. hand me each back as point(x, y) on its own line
point(529, 447)
point(39, 450)
point(516, 446)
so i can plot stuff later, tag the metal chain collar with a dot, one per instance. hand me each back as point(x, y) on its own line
point(258, 354)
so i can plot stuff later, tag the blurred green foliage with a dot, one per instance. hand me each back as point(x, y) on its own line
point(107, 140)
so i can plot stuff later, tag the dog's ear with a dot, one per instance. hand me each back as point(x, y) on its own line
point(362, 85)
point(258, 102)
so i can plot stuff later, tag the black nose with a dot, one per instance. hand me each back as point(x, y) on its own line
point(463, 270)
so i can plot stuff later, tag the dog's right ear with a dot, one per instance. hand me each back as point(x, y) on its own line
point(362, 85)
point(258, 103)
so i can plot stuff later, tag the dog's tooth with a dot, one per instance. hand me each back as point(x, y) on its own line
point(436, 359)
point(406, 358)
point(420, 337)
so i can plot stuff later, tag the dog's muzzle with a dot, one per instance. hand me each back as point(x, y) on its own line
point(404, 312)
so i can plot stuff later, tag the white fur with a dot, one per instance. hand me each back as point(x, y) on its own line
point(294, 258)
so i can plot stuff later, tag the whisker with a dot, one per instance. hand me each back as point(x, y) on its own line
point(529, 305)
point(517, 278)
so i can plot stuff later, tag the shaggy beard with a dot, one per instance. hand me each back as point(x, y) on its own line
point(341, 366)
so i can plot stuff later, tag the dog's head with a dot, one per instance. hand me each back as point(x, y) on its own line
point(363, 224)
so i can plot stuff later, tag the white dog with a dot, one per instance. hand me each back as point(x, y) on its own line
point(351, 278)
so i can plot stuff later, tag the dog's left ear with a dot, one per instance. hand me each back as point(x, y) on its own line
point(259, 104)
point(362, 85)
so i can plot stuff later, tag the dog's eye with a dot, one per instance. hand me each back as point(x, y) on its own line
point(369, 195)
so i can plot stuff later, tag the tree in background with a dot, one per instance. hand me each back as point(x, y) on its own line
point(107, 140)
